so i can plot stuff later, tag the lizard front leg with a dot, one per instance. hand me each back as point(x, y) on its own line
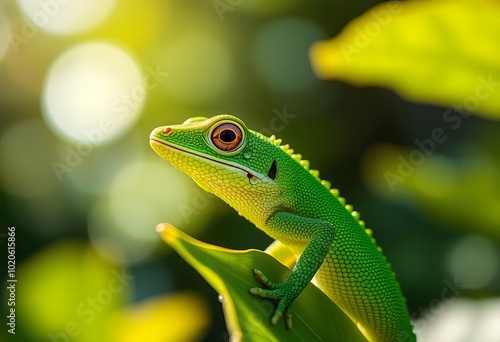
point(318, 235)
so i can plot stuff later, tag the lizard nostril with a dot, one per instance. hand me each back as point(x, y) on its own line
point(167, 130)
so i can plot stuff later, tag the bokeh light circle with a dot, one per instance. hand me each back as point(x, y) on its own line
point(470, 252)
point(93, 93)
point(121, 224)
point(66, 16)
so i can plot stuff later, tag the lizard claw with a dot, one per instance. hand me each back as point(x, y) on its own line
point(265, 280)
point(276, 291)
point(288, 317)
point(276, 317)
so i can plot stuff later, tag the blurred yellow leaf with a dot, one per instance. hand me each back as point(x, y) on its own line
point(440, 52)
point(68, 292)
point(179, 317)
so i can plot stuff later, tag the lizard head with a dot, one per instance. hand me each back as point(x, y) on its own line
point(225, 158)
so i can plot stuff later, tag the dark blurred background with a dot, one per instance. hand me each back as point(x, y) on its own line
point(83, 83)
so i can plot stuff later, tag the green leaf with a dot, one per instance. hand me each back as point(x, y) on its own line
point(439, 52)
point(229, 272)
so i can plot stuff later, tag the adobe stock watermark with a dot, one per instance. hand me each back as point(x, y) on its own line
point(122, 107)
point(223, 6)
point(89, 309)
point(49, 9)
point(278, 122)
point(423, 317)
point(381, 17)
point(201, 199)
point(453, 118)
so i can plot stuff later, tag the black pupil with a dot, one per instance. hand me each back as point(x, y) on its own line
point(227, 136)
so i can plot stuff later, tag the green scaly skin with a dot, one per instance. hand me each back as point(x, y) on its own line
point(275, 189)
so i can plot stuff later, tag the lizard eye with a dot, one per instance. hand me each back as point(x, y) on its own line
point(227, 137)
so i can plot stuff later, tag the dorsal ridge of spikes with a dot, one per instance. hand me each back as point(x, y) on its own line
point(277, 142)
point(286, 148)
point(297, 157)
point(305, 164)
point(315, 173)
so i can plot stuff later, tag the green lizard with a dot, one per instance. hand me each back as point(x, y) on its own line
point(275, 189)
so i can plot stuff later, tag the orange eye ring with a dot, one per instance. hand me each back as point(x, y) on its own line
point(227, 137)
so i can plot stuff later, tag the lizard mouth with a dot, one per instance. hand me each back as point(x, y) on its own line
point(158, 144)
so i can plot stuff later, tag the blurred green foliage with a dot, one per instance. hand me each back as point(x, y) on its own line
point(430, 200)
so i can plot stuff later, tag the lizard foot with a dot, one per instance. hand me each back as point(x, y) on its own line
point(276, 292)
